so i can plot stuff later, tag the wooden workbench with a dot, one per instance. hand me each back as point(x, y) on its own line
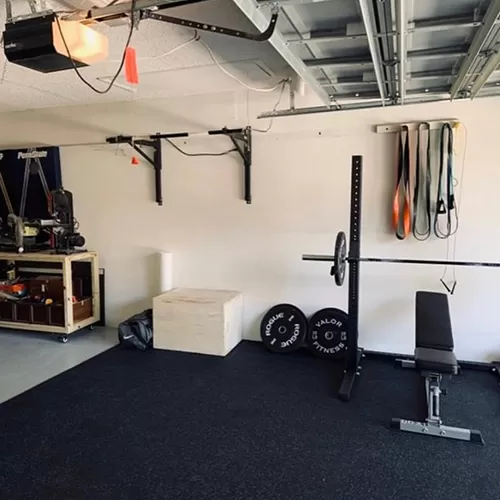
point(65, 265)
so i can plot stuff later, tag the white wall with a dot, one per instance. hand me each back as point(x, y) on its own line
point(301, 173)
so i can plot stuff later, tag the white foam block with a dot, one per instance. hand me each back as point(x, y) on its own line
point(166, 272)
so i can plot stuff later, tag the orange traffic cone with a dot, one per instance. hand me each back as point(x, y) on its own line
point(134, 161)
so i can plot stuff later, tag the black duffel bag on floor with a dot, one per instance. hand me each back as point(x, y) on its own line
point(137, 331)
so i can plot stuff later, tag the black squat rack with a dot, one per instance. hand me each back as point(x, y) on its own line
point(354, 352)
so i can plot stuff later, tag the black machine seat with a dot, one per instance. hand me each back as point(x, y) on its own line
point(432, 321)
point(435, 361)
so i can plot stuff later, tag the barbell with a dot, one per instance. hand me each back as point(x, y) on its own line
point(340, 260)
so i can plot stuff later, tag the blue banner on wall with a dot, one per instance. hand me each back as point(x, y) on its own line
point(39, 169)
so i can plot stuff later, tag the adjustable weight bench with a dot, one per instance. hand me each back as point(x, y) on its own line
point(434, 358)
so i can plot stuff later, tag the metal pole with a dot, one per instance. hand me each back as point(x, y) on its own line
point(374, 47)
point(427, 54)
point(425, 25)
point(158, 167)
point(331, 258)
point(402, 25)
point(247, 165)
point(431, 262)
point(353, 352)
point(124, 9)
point(482, 35)
point(360, 105)
point(487, 70)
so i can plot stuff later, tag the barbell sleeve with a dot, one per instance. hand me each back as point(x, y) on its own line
point(321, 258)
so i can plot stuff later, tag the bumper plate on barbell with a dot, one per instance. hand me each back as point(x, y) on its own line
point(327, 336)
point(340, 259)
point(283, 328)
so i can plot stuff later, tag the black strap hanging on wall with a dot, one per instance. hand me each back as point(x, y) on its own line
point(445, 202)
point(401, 204)
point(422, 218)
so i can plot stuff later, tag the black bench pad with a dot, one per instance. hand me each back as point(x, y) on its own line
point(432, 321)
point(436, 361)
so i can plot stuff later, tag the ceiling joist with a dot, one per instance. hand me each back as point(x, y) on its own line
point(382, 53)
point(479, 45)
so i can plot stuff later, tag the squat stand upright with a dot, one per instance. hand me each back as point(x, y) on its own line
point(354, 352)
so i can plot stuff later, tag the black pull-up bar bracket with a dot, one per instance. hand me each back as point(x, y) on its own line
point(240, 137)
point(242, 140)
point(155, 161)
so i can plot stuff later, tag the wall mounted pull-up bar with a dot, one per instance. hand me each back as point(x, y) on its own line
point(240, 137)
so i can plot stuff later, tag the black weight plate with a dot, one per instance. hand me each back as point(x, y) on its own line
point(283, 328)
point(340, 253)
point(327, 335)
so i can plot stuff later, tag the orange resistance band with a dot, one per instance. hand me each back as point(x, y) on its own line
point(401, 217)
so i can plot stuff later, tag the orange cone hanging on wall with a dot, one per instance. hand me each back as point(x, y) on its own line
point(131, 73)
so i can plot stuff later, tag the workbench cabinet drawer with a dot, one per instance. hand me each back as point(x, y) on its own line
point(40, 314)
point(24, 312)
point(82, 309)
point(7, 311)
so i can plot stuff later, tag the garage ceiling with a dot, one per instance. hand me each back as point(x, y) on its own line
point(368, 53)
point(352, 53)
point(187, 71)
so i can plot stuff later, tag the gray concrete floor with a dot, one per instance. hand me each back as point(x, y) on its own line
point(28, 358)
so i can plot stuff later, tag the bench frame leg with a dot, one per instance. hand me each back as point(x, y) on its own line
point(433, 425)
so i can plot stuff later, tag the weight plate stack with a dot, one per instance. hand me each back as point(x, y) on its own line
point(327, 335)
point(283, 328)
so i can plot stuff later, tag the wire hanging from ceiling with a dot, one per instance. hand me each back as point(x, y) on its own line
point(224, 70)
point(117, 74)
point(451, 247)
point(185, 153)
point(193, 39)
point(266, 130)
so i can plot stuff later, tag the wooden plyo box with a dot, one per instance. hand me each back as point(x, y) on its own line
point(198, 320)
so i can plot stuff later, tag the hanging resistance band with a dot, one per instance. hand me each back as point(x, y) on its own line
point(445, 203)
point(401, 203)
point(421, 223)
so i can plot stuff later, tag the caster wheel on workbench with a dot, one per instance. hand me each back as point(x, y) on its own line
point(63, 338)
point(91, 327)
